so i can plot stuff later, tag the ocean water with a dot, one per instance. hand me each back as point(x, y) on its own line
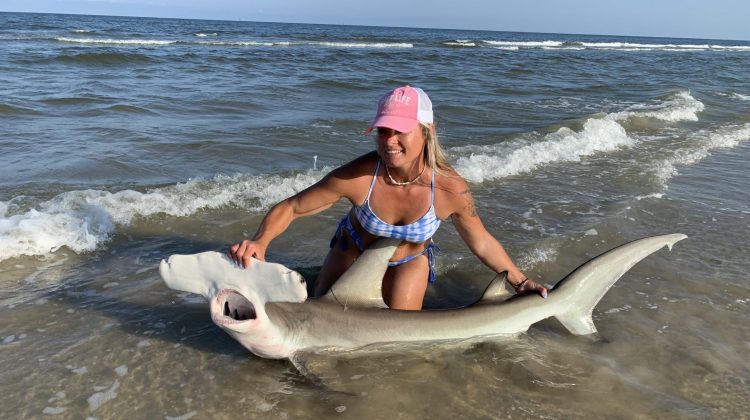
point(125, 140)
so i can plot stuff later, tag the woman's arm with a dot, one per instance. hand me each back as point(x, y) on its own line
point(316, 198)
point(484, 245)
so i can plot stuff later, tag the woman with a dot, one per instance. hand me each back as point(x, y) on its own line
point(402, 190)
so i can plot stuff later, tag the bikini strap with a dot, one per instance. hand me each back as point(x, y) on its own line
point(432, 188)
point(372, 184)
point(346, 225)
point(430, 250)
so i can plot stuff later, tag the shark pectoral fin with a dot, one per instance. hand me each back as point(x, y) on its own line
point(577, 323)
point(360, 286)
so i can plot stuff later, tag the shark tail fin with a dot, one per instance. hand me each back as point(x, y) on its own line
point(585, 286)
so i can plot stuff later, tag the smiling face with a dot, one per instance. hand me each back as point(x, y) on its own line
point(400, 150)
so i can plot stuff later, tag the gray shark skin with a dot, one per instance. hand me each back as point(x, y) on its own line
point(265, 306)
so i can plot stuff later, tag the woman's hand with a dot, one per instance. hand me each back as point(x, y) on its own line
point(525, 286)
point(243, 252)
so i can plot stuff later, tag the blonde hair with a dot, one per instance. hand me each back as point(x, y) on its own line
point(434, 155)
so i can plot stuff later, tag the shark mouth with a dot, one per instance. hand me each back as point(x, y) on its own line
point(229, 306)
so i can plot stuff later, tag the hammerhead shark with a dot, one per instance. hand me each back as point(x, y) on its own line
point(265, 306)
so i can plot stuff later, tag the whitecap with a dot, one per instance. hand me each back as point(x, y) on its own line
point(614, 46)
point(363, 44)
point(564, 145)
point(243, 43)
point(725, 137)
point(81, 220)
point(680, 106)
point(524, 44)
point(115, 41)
point(460, 43)
point(731, 47)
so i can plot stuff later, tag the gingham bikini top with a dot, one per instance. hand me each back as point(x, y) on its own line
point(416, 232)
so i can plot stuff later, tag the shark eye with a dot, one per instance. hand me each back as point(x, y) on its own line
point(238, 307)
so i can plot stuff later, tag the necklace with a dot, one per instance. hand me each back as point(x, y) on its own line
point(394, 182)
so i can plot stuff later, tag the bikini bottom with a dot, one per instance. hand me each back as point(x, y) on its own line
point(346, 225)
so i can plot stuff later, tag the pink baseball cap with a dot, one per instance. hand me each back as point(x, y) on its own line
point(402, 109)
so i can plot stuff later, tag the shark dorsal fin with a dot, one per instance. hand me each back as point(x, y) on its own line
point(496, 291)
point(360, 286)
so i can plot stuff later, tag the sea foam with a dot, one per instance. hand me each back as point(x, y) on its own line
point(460, 43)
point(535, 256)
point(98, 399)
point(82, 219)
point(116, 41)
point(329, 44)
point(680, 106)
point(552, 44)
point(524, 44)
point(564, 145)
point(598, 135)
point(363, 44)
point(725, 137)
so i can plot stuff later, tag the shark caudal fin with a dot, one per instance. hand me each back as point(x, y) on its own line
point(585, 286)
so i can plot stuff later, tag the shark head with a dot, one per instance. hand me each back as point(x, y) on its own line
point(238, 296)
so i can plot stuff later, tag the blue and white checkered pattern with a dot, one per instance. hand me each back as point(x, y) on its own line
point(416, 232)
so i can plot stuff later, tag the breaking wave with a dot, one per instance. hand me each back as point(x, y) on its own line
point(679, 107)
point(609, 46)
point(163, 42)
point(115, 41)
point(565, 145)
point(725, 137)
point(81, 220)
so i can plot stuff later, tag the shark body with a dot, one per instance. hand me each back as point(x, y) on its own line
point(265, 306)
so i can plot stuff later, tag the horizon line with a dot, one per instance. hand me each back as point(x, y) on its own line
point(375, 26)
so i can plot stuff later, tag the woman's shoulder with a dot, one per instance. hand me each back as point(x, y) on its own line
point(452, 192)
point(360, 166)
point(450, 181)
point(352, 177)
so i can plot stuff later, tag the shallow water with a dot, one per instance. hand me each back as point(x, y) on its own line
point(126, 140)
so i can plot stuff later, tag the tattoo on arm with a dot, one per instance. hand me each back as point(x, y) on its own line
point(469, 203)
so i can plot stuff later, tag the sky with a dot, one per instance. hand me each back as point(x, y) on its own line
point(717, 19)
